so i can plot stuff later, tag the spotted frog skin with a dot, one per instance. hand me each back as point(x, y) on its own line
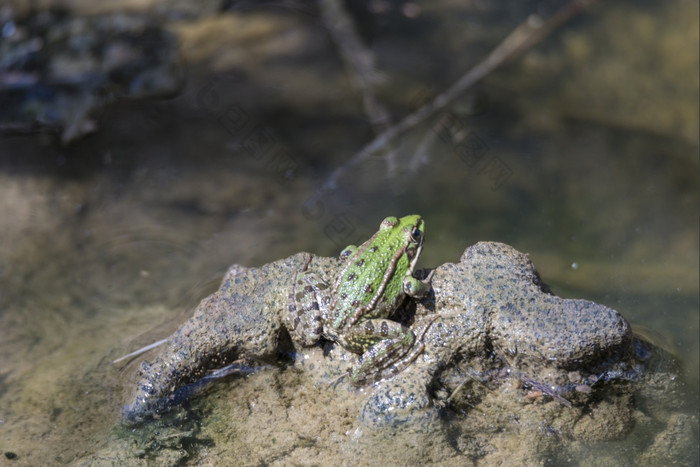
point(374, 279)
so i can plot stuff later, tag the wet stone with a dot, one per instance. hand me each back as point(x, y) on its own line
point(495, 314)
point(536, 326)
point(489, 316)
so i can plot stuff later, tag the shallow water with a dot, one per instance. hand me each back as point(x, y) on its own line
point(108, 243)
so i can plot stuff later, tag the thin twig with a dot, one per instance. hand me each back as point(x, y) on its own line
point(140, 351)
point(544, 389)
point(359, 62)
point(464, 381)
point(524, 37)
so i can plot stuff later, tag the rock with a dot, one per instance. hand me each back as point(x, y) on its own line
point(490, 312)
point(494, 313)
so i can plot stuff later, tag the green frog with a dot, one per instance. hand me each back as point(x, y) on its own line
point(373, 281)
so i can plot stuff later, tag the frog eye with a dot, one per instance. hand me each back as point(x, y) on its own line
point(416, 235)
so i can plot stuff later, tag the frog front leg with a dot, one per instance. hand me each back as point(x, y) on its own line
point(382, 343)
point(417, 288)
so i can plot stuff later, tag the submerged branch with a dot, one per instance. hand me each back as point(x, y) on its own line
point(523, 37)
point(359, 60)
point(360, 64)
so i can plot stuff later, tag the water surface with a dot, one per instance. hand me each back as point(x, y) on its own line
point(109, 242)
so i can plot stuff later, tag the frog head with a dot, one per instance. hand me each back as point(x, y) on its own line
point(410, 230)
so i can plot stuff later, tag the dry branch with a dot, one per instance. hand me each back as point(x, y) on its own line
point(523, 37)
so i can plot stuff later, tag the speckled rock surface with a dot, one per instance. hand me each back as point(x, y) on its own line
point(240, 320)
point(496, 315)
point(491, 317)
point(527, 321)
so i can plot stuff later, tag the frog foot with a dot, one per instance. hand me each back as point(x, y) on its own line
point(381, 352)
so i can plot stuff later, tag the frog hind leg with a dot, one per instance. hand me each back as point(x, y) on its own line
point(408, 358)
point(307, 297)
point(385, 348)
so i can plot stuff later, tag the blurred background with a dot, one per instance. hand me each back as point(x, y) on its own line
point(147, 145)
